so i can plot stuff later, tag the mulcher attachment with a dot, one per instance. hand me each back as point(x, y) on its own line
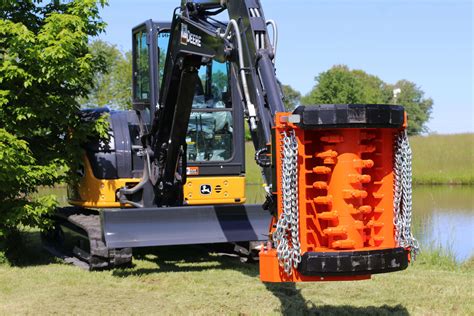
point(344, 227)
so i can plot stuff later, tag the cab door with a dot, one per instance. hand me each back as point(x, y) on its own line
point(145, 58)
point(215, 137)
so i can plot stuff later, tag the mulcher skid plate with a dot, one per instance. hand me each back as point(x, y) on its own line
point(104, 240)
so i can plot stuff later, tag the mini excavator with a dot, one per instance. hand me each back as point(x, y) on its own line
point(336, 177)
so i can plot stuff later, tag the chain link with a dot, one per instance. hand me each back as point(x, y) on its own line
point(261, 158)
point(402, 202)
point(286, 236)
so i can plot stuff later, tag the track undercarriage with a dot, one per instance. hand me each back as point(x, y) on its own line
point(77, 237)
point(98, 240)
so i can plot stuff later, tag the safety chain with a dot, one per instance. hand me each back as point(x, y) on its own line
point(402, 202)
point(286, 236)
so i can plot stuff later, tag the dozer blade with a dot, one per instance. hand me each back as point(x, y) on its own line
point(183, 225)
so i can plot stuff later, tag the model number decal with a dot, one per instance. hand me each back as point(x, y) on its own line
point(194, 39)
point(188, 37)
point(192, 171)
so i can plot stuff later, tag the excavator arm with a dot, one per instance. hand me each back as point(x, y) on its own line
point(192, 44)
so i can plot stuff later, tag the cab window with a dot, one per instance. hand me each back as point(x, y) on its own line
point(163, 41)
point(210, 129)
point(141, 67)
point(212, 89)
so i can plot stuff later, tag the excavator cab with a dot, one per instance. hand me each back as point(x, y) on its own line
point(215, 139)
point(215, 153)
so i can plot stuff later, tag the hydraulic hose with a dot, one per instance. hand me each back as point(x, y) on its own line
point(275, 36)
point(250, 107)
point(146, 176)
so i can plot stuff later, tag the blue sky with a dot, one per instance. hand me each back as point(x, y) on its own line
point(428, 42)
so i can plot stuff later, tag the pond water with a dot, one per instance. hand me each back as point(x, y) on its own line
point(443, 216)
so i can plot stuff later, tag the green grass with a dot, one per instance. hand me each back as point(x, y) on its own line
point(252, 171)
point(437, 159)
point(443, 159)
point(190, 280)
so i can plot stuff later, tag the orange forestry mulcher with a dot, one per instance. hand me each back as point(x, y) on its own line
point(343, 187)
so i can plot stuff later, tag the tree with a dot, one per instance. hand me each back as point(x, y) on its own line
point(112, 86)
point(374, 90)
point(418, 108)
point(45, 66)
point(291, 97)
point(341, 85)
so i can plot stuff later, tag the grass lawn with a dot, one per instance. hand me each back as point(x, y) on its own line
point(252, 171)
point(443, 159)
point(191, 280)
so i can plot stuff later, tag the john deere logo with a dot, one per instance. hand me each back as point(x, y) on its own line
point(184, 34)
point(206, 189)
point(188, 37)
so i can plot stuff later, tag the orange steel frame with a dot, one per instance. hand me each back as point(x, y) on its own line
point(345, 194)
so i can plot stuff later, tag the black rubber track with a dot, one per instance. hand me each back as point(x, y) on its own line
point(87, 223)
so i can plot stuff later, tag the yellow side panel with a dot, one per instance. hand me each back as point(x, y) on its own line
point(96, 193)
point(215, 190)
point(101, 193)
